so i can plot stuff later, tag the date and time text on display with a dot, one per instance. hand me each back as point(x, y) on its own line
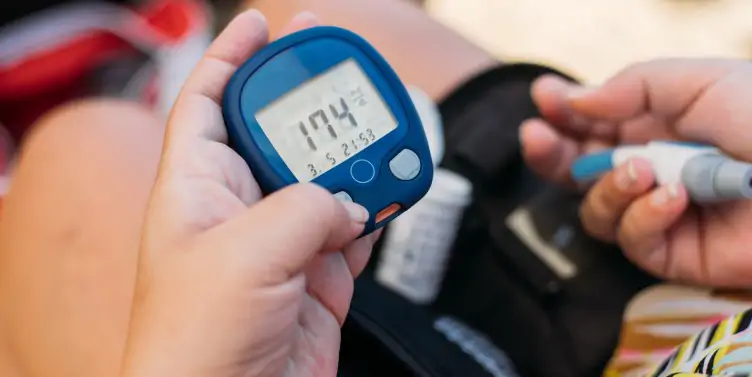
point(334, 116)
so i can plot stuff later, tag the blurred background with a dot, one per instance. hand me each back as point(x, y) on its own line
point(595, 38)
point(143, 51)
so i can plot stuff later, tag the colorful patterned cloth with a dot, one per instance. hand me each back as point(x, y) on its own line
point(672, 331)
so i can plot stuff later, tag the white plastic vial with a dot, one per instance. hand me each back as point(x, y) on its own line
point(417, 245)
point(430, 117)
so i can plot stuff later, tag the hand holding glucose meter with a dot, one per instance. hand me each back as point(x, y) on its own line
point(322, 106)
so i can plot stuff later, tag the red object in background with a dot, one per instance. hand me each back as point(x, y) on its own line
point(45, 78)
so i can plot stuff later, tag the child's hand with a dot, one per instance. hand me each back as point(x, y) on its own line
point(230, 284)
point(708, 101)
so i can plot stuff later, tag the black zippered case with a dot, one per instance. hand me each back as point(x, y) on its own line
point(549, 322)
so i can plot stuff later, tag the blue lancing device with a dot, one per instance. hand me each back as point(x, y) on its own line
point(708, 175)
point(323, 106)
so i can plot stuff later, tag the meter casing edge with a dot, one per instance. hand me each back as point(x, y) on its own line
point(256, 84)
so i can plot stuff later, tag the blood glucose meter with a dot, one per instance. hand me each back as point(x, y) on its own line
point(322, 106)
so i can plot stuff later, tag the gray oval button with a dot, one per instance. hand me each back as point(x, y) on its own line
point(405, 165)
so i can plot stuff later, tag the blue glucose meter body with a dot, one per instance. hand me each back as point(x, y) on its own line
point(322, 106)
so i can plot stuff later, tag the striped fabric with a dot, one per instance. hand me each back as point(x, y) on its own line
point(672, 331)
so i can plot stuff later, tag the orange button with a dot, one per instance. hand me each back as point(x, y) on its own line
point(387, 212)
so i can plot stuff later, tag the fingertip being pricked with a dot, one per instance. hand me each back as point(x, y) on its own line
point(548, 94)
point(538, 138)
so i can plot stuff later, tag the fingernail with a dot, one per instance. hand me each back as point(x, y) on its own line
point(580, 92)
point(356, 211)
point(256, 13)
point(664, 194)
point(306, 16)
point(626, 176)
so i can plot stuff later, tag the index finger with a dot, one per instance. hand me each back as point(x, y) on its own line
point(666, 88)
